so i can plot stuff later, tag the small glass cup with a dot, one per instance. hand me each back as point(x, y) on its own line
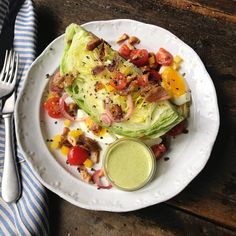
point(131, 159)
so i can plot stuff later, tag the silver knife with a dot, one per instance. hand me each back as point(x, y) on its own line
point(10, 180)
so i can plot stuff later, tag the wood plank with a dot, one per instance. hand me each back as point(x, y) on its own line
point(227, 6)
point(212, 195)
point(157, 220)
point(224, 10)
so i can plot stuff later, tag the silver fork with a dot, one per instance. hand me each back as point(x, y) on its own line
point(10, 178)
point(9, 73)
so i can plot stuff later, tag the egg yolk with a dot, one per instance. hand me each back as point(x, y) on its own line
point(173, 82)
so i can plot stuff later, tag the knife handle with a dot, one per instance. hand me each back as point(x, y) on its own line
point(10, 179)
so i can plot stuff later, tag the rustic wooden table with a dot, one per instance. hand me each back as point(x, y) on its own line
point(208, 205)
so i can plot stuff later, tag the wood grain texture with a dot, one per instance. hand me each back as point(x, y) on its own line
point(224, 9)
point(212, 195)
point(152, 221)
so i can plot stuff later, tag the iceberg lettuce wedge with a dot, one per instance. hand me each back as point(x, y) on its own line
point(147, 120)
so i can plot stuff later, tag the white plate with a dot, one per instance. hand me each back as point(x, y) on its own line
point(188, 155)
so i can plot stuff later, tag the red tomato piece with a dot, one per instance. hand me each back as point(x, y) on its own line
point(178, 129)
point(77, 156)
point(53, 108)
point(124, 51)
point(139, 57)
point(119, 82)
point(142, 80)
point(164, 57)
point(154, 75)
point(159, 150)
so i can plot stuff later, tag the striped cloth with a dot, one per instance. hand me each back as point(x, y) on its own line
point(29, 215)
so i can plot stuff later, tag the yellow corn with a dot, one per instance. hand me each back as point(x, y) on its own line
point(54, 145)
point(65, 150)
point(57, 138)
point(102, 132)
point(56, 141)
point(88, 163)
point(177, 62)
point(177, 59)
point(67, 123)
point(75, 133)
point(151, 58)
point(109, 88)
point(89, 123)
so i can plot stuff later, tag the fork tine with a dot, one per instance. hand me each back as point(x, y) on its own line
point(16, 62)
point(12, 66)
point(9, 59)
point(4, 65)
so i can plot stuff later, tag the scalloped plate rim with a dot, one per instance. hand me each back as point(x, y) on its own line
point(115, 209)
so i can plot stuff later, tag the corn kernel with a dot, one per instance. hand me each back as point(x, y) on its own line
point(89, 123)
point(102, 132)
point(177, 59)
point(67, 123)
point(109, 88)
point(75, 133)
point(177, 62)
point(151, 58)
point(54, 145)
point(88, 163)
point(65, 150)
point(57, 138)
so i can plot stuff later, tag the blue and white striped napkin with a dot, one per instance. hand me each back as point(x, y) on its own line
point(29, 215)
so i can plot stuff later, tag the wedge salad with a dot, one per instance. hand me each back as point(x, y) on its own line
point(130, 93)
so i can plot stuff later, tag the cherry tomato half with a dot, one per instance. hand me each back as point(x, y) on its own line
point(159, 150)
point(139, 57)
point(124, 51)
point(77, 156)
point(164, 57)
point(119, 82)
point(53, 108)
point(142, 80)
point(178, 129)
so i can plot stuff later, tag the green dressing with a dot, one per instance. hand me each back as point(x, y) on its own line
point(129, 164)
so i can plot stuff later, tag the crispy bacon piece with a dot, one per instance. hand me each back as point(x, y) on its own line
point(68, 80)
point(99, 86)
point(112, 67)
point(90, 145)
point(116, 112)
point(98, 69)
point(93, 43)
point(56, 82)
point(85, 175)
point(154, 93)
